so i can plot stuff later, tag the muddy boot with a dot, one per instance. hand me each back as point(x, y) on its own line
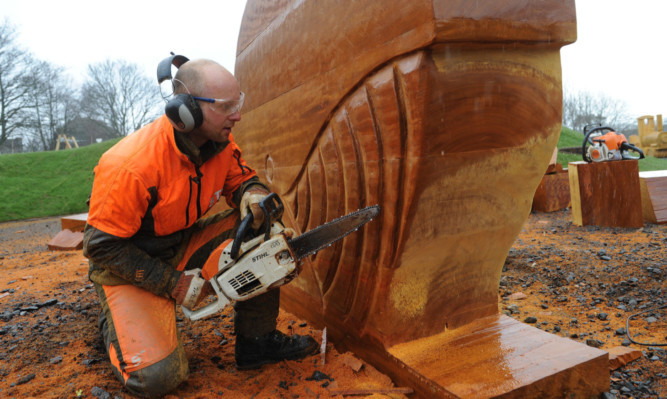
point(273, 347)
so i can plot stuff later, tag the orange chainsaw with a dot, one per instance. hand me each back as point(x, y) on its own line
point(602, 143)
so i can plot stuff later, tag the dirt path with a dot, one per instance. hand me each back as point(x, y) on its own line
point(578, 282)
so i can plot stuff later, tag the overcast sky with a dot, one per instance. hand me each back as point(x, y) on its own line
point(620, 50)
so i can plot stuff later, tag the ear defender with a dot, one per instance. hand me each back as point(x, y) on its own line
point(182, 110)
point(184, 113)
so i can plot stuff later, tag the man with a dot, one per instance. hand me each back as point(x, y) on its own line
point(145, 228)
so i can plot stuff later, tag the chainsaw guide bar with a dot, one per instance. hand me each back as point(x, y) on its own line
point(322, 236)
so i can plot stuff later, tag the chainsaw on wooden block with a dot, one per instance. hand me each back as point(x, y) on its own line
point(254, 262)
point(602, 144)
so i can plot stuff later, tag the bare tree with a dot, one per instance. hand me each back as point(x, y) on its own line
point(15, 104)
point(582, 108)
point(117, 94)
point(53, 105)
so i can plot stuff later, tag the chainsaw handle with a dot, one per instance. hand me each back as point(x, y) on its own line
point(273, 209)
point(627, 146)
point(588, 140)
point(220, 303)
point(244, 228)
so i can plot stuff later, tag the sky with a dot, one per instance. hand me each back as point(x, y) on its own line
point(620, 51)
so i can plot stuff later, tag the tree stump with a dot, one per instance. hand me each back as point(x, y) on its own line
point(606, 194)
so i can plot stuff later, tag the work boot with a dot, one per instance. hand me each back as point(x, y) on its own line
point(273, 347)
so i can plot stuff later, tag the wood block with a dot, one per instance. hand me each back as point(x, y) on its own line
point(74, 222)
point(620, 356)
point(653, 186)
point(500, 357)
point(606, 194)
point(553, 193)
point(66, 240)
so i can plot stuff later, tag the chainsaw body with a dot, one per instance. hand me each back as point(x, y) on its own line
point(260, 266)
point(257, 261)
point(603, 144)
point(251, 263)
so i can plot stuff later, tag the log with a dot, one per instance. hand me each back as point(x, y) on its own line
point(653, 187)
point(444, 113)
point(606, 194)
point(553, 193)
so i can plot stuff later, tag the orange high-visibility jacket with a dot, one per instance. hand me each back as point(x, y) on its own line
point(148, 189)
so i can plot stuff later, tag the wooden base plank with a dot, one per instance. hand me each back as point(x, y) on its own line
point(605, 194)
point(500, 357)
point(653, 186)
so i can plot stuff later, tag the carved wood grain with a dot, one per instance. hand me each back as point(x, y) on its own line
point(445, 113)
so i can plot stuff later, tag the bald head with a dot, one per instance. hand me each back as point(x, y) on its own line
point(194, 77)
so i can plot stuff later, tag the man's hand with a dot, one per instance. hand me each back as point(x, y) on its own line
point(250, 203)
point(190, 289)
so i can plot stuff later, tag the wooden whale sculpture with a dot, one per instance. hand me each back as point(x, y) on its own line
point(446, 113)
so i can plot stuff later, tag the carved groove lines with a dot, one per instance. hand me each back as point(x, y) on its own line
point(359, 160)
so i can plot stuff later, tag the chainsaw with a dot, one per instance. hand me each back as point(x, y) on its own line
point(254, 262)
point(602, 143)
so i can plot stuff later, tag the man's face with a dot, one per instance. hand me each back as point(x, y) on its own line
point(220, 116)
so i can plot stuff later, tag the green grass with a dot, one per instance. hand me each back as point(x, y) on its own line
point(58, 183)
point(572, 138)
point(41, 184)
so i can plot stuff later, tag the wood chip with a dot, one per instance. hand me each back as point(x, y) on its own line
point(352, 362)
point(517, 296)
point(323, 347)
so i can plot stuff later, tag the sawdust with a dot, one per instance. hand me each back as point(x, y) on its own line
point(51, 347)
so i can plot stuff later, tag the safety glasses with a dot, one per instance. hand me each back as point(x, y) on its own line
point(223, 106)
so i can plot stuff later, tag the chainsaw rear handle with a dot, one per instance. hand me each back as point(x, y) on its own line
point(272, 207)
point(628, 146)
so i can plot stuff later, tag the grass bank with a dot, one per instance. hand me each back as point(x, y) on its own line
point(56, 183)
point(40, 184)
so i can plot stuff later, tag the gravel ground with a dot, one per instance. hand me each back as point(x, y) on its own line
point(578, 282)
point(585, 282)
